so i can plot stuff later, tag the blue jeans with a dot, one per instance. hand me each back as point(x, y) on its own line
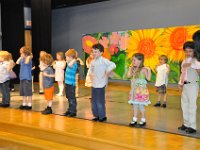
point(71, 96)
point(5, 90)
point(98, 102)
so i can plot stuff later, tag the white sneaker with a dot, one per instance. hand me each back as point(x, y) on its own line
point(59, 94)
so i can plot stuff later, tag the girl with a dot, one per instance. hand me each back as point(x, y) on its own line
point(48, 81)
point(25, 62)
point(41, 66)
point(5, 68)
point(162, 80)
point(59, 66)
point(139, 91)
point(88, 82)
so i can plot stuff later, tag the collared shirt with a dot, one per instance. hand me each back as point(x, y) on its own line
point(4, 74)
point(70, 74)
point(98, 68)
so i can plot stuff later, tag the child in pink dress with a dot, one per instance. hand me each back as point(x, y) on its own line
point(59, 66)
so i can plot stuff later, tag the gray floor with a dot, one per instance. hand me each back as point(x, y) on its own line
point(118, 110)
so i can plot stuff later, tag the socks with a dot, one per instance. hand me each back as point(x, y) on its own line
point(143, 120)
point(23, 104)
point(134, 119)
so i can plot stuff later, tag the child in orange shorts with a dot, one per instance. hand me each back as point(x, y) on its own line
point(48, 81)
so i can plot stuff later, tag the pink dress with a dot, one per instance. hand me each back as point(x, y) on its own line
point(59, 71)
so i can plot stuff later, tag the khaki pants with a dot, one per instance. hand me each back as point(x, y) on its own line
point(188, 104)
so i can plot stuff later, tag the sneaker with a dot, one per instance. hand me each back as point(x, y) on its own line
point(141, 124)
point(22, 107)
point(183, 127)
point(103, 119)
point(157, 104)
point(47, 111)
point(12, 90)
point(66, 113)
point(28, 107)
point(133, 124)
point(4, 105)
point(59, 94)
point(190, 130)
point(95, 119)
point(164, 105)
point(72, 115)
point(41, 92)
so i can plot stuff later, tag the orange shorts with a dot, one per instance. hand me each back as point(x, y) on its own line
point(48, 93)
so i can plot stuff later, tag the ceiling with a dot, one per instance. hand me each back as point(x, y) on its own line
point(66, 3)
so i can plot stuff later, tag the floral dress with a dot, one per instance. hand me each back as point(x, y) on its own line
point(140, 93)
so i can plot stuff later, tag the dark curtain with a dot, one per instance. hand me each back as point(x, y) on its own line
point(41, 29)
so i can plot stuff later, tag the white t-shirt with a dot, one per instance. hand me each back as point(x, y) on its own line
point(162, 76)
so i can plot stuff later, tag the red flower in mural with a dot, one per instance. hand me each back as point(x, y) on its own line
point(114, 38)
point(104, 41)
point(88, 41)
point(113, 49)
point(123, 42)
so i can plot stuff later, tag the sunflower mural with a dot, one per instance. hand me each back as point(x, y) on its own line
point(119, 47)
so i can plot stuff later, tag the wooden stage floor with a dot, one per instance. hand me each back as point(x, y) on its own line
point(118, 110)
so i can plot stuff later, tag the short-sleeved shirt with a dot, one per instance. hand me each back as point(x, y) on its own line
point(70, 74)
point(48, 81)
point(4, 74)
point(25, 70)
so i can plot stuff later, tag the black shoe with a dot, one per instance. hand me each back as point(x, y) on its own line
point(190, 130)
point(164, 105)
point(103, 119)
point(47, 111)
point(72, 115)
point(141, 124)
point(28, 107)
point(157, 105)
point(133, 124)
point(95, 119)
point(66, 113)
point(183, 127)
point(22, 107)
point(4, 105)
point(41, 92)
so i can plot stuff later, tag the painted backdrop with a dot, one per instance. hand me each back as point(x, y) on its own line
point(120, 47)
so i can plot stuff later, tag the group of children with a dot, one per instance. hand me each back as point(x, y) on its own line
point(99, 69)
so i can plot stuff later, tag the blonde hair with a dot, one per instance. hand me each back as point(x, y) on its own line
point(42, 53)
point(5, 55)
point(61, 54)
point(71, 53)
point(47, 59)
point(25, 50)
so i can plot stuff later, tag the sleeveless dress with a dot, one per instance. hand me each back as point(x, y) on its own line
point(59, 72)
point(140, 93)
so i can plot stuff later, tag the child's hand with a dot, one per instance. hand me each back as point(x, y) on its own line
point(91, 77)
point(186, 65)
point(180, 87)
point(109, 74)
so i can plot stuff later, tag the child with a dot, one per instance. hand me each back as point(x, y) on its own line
point(140, 97)
point(41, 89)
point(70, 81)
point(5, 68)
point(25, 62)
point(88, 82)
point(99, 71)
point(59, 67)
point(11, 85)
point(48, 81)
point(162, 80)
point(189, 85)
point(33, 72)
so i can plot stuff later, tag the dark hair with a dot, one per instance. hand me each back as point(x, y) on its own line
point(98, 47)
point(196, 38)
point(188, 44)
point(165, 57)
point(140, 57)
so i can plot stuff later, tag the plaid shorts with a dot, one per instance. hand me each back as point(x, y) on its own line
point(161, 89)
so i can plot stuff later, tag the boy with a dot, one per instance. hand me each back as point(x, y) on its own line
point(70, 81)
point(99, 71)
point(25, 62)
point(189, 85)
point(161, 80)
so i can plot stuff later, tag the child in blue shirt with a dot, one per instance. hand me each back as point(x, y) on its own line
point(70, 81)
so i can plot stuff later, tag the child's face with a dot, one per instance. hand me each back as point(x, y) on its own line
point(69, 58)
point(189, 52)
point(22, 55)
point(1, 59)
point(162, 60)
point(136, 62)
point(96, 53)
point(58, 57)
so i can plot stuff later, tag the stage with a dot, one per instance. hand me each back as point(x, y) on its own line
point(118, 110)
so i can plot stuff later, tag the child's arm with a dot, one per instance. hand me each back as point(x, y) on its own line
point(49, 73)
point(71, 63)
point(28, 59)
point(147, 73)
point(81, 62)
point(18, 60)
point(11, 65)
point(130, 72)
point(110, 67)
point(168, 69)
